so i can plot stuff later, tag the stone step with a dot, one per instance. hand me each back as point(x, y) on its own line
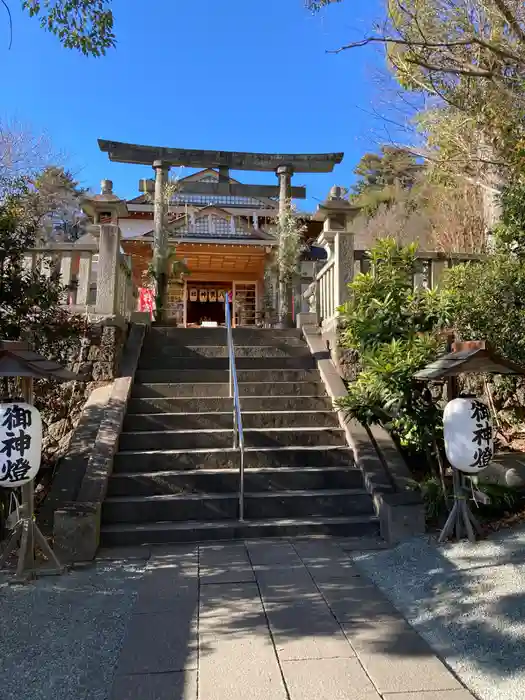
point(221, 389)
point(224, 405)
point(159, 335)
point(206, 375)
point(250, 419)
point(167, 364)
point(222, 438)
point(125, 534)
point(158, 460)
point(227, 480)
point(172, 353)
point(210, 506)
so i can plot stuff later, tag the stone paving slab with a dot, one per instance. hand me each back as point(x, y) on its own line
point(306, 630)
point(158, 686)
point(282, 583)
point(160, 643)
point(432, 695)
point(355, 598)
point(267, 552)
point(328, 679)
point(232, 574)
point(239, 668)
point(396, 658)
point(231, 610)
point(323, 570)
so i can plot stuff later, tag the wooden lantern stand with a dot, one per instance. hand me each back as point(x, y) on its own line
point(474, 357)
point(18, 360)
point(461, 518)
point(27, 533)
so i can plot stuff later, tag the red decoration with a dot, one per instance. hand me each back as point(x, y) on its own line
point(146, 300)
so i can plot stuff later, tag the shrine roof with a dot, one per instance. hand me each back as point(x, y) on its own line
point(186, 195)
point(17, 359)
point(235, 160)
point(474, 356)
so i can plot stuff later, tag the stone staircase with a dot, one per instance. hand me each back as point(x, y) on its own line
point(176, 475)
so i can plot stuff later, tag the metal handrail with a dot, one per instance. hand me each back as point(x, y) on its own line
point(238, 435)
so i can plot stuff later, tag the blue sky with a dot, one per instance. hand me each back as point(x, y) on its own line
point(248, 75)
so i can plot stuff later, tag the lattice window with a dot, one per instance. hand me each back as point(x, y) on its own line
point(201, 225)
point(218, 200)
point(221, 227)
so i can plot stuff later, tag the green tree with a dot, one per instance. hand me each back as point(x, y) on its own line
point(56, 201)
point(31, 299)
point(382, 177)
point(486, 301)
point(85, 25)
point(392, 165)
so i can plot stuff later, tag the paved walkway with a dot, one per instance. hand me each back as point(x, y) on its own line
point(255, 621)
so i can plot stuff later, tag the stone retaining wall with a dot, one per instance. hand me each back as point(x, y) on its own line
point(72, 412)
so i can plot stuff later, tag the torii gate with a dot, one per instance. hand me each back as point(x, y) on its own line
point(163, 158)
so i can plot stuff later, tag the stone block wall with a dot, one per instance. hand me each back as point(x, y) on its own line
point(96, 355)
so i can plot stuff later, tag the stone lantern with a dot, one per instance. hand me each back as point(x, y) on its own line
point(105, 209)
point(336, 213)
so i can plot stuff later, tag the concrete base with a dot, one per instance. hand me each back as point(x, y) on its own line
point(77, 531)
point(401, 515)
point(141, 317)
point(306, 319)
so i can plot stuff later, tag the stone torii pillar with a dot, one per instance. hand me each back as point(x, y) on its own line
point(284, 174)
point(160, 238)
point(160, 207)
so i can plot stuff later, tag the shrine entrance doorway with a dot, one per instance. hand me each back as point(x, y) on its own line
point(205, 302)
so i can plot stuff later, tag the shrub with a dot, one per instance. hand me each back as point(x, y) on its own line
point(393, 327)
point(383, 304)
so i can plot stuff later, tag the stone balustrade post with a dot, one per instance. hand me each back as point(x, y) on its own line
point(437, 270)
point(107, 269)
point(343, 265)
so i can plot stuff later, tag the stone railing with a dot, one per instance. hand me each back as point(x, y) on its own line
point(329, 290)
point(97, 274)
point(126, 293)
point(324, 293)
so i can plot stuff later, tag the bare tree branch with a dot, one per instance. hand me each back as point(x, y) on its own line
point(10, 24)
point(511, 19)
point(431, 45)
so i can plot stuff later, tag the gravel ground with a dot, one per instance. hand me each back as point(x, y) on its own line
point(467, 601)
point(60, 637)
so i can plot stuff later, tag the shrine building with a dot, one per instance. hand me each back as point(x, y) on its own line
point(221, 228)
point(225, 241)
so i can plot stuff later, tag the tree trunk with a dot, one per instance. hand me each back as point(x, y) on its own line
point(284, 311)
point(162, 288)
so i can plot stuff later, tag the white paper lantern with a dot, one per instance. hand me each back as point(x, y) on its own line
point(20, 443)
point(467, 429)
